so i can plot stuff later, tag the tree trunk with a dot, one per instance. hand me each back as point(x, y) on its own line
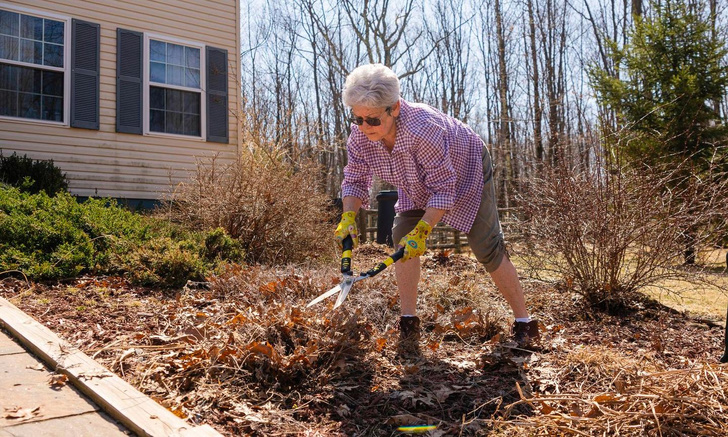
point(504, 128)
point(637, 8)
point(537, 110)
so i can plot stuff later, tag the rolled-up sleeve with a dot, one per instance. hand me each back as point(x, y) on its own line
point(438, 170)
point(357, 173)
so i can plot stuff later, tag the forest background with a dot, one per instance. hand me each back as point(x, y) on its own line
point(526, 75)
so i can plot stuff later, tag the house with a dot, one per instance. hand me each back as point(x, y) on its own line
point(124, 96)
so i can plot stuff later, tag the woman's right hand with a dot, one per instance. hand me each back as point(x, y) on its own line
point(347, 226)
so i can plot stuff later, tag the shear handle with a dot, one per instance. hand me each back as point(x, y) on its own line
point(393, 258)
point(348, 245)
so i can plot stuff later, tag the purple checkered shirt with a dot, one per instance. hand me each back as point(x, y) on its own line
point(436, 163)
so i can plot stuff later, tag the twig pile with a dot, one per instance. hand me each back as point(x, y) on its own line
point(679, 402)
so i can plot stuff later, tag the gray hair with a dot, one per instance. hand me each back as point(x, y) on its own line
point(372, 85)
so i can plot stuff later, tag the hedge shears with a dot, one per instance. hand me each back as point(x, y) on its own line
point(348, 276)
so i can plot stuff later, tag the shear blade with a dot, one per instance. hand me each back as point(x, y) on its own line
point(346, 287)
point(325, 295)
point(341, 298)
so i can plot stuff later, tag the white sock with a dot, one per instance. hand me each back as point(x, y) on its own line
point(523, 319)
point(408, 315)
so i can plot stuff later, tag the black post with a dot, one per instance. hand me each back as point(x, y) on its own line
point(385, 216)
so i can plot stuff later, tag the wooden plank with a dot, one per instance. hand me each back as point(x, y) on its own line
point(118, 398)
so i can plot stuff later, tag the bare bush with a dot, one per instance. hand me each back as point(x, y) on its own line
point(273, 207)
point(609, 231)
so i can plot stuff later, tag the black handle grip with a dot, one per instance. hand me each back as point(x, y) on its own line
point(396, 256)
point(347, 245)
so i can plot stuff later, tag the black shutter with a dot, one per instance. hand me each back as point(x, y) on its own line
point(129, 81)
point(85, 60)
point(217, 95)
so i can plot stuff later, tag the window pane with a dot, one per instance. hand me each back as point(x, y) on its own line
point(174, 100)
point(53, 55)
point(175, 54)
point(53, 83)
point(31, 51)
point(8, 103)
point(192, 124)
point(174, 75)
point(157, 51)
point(31, 93)
point(8, 47)
point(156, 121)
point(52, 108)
point(8, 77)
point(192, 57)
point(192, 103)
point(174, 123)
point(192, 78)
point(156, 97)
point(9, 23)
point(30, 80)
point(157, 72)
point(53, 31)
point(29, 105)
point(31, 27)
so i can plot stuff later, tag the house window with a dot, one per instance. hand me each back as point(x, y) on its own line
point(32, 66)
point(175, 94)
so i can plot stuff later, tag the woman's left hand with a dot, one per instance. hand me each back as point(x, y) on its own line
point(414, 242)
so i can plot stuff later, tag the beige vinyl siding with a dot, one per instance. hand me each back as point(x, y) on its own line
point(107, 163)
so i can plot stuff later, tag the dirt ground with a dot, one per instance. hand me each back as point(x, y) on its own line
point(244, 354)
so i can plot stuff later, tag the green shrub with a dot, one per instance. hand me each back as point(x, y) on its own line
point(32, 176)
point(56, 237)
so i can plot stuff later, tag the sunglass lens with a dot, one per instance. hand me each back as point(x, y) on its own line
point(370, 121)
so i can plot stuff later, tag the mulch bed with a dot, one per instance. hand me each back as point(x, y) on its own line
point(243, 354)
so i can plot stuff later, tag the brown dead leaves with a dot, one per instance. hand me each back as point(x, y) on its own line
point(244, 354)
point(21, 414)
point(57, 380)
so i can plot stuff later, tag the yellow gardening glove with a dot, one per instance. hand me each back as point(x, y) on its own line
point(414, 242)
point(347, 226)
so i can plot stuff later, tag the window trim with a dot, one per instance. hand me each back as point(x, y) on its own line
point(66, 64)
point(147, 83)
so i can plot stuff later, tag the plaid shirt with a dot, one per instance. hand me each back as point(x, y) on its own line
point(436, 163)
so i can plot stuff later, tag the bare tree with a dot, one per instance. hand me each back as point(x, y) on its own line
point(446, 75)
point(514, 71)
point(536, 85)
point(504, 139)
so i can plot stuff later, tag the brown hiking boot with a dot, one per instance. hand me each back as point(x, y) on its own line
point(526, 334)
point(409, 335)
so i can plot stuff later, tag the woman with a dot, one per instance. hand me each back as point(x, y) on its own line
point(442, 171)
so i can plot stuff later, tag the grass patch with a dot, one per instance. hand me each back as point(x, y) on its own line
point(709, 299)
point(710, 303)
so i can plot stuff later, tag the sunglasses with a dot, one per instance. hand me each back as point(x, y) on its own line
point(371, 121)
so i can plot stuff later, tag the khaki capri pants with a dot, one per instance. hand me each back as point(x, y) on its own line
point(485, 236)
